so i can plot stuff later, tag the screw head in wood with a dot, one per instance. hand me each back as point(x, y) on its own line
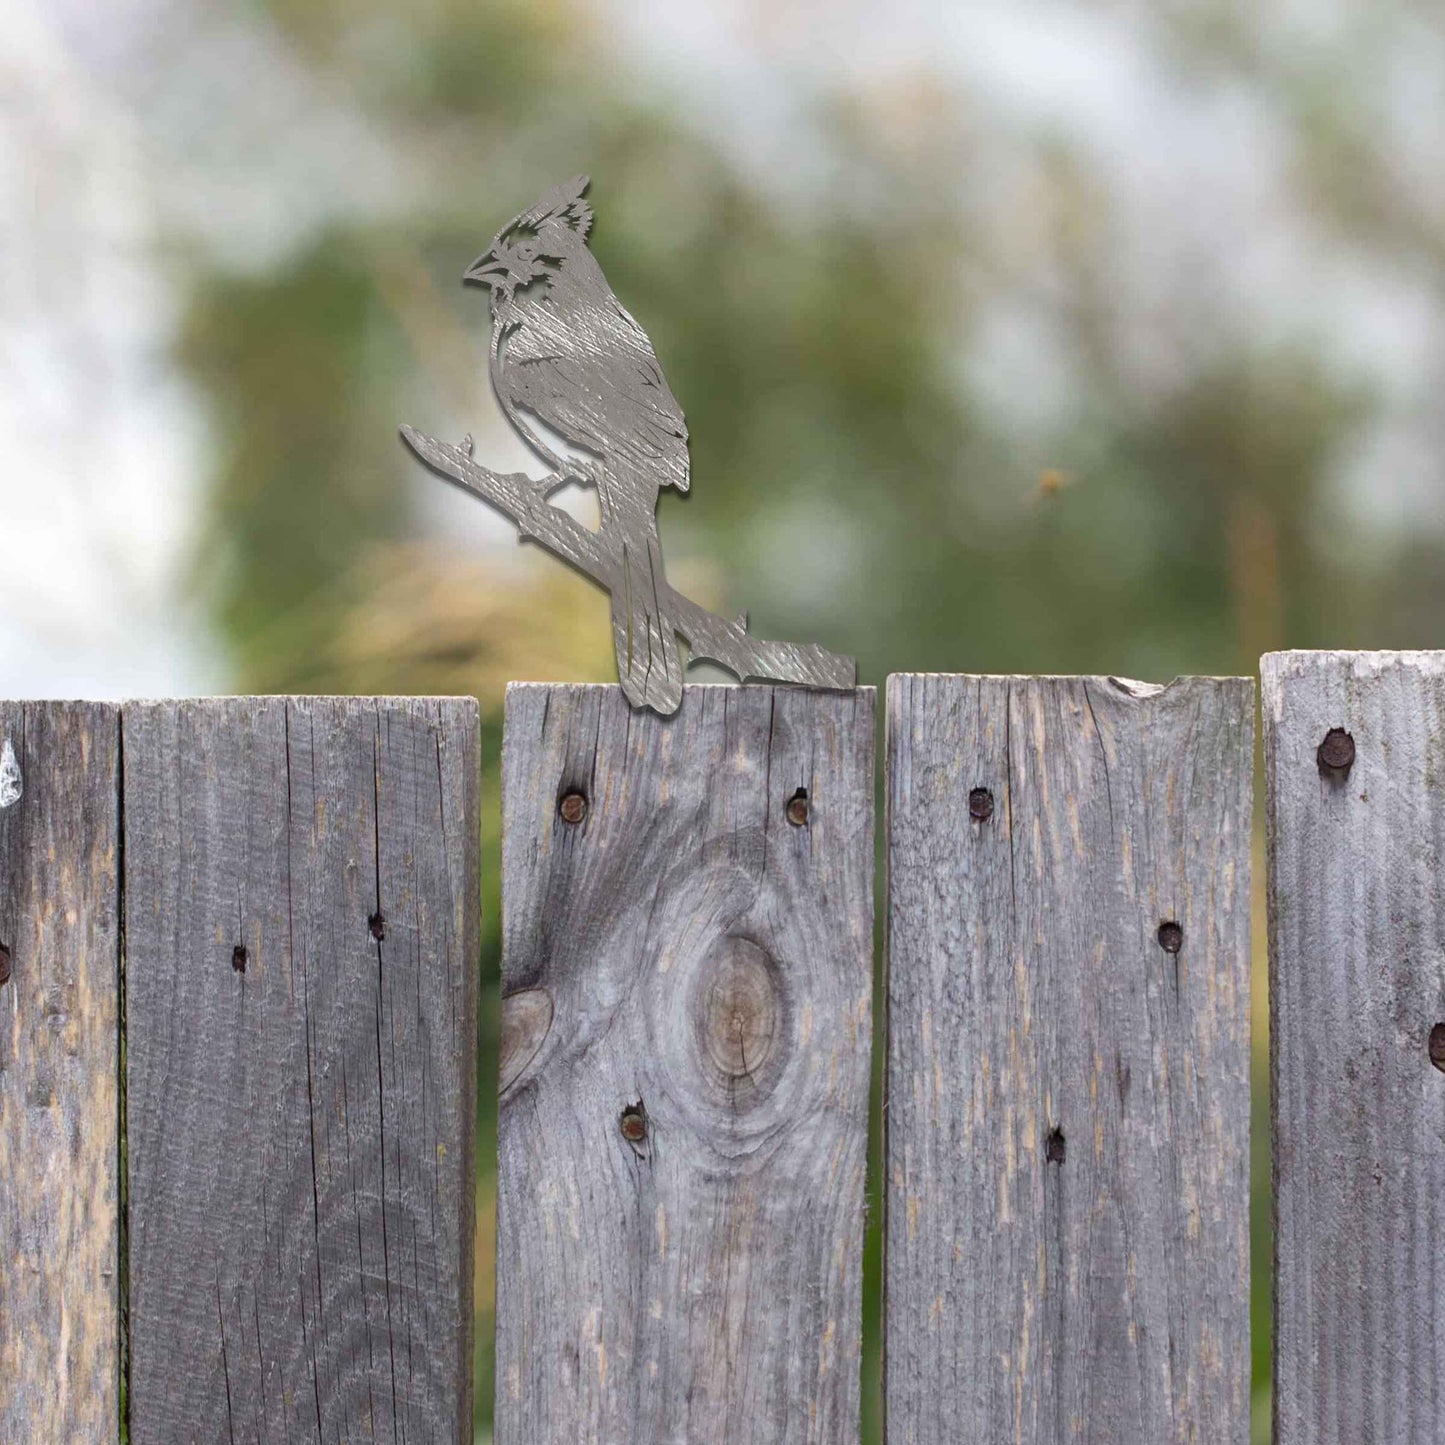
point(1437, 1047)
point(4, 964)
point(1336, 753)
point(1171, 936)
point(573, 807)
point(797, 809)
point(980, 805)
point(633, 1123)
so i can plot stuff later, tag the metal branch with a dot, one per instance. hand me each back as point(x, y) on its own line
point(523, 501)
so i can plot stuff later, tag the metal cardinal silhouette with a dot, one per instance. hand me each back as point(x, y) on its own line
point(572, 369)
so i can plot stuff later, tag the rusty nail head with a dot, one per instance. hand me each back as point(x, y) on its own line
point(1437, 1047)
point(1337, 753)
point(4, 965)
point(573, 807)
point(1171, 937)
point(633, 1124)
point(798, 808)
point(980, 805)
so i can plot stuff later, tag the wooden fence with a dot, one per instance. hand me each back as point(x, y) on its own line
point(238, 1021)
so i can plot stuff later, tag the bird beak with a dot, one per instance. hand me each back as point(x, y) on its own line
point(486, 269)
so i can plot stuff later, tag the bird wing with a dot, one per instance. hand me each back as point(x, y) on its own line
point(608, 396)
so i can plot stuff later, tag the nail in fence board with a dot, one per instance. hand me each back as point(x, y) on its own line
point(301, 992)
point(686, 952)
point(1068, 1100)
point(59, 1081)
point(1357, 986)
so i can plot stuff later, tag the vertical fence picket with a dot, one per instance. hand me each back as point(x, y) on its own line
point(1068, 1083)
point(1355, 765)
point(301, 938)
point(59, 1080)
point(683, 1122)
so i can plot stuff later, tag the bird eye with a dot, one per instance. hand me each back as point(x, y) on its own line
point(526, 251)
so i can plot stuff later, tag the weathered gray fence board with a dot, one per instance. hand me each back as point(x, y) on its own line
point(1068, 1101)
point(59, 1079)
point(1357, 984)
point(301, 941)
point(688, 952)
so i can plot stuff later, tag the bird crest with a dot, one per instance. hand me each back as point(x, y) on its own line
point(563, 203)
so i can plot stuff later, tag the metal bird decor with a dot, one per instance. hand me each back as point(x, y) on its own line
point(580, 383)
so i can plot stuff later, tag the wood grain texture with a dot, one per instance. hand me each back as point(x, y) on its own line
point(301, 974)
point(1068, 1102)
point(688, 953)
point(1357, 983)
point(59, 1076)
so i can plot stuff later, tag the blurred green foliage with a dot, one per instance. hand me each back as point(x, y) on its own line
point(1162, 501)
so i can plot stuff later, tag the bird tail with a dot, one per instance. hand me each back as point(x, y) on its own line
point(642, 632)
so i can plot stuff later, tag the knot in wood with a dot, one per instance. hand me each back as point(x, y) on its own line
point(738, 1010)
point(526, 1022)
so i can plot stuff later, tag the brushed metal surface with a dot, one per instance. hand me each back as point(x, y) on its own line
point(579, 381)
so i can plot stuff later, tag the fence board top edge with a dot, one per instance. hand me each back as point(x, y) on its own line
point(1413, 654)
point(1274, 666)
point(1279, 670)
point(466, 711)
point(98, 705)
point(1113, 678)
point(118, 704)
point(361, 699)
point(581, 688)
point(1126, 687)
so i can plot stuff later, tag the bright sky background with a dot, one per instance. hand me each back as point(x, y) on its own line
point(103, 449)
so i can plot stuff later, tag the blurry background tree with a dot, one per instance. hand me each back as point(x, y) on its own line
point(1077, 336)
